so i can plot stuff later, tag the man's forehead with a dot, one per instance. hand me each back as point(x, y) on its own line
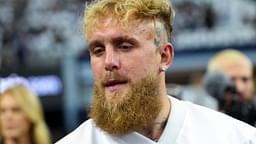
point(234, 63)
point(111, 24)
point(237, 69)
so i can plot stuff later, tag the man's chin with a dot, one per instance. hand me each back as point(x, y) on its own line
point(116, 98)
point(131, 109)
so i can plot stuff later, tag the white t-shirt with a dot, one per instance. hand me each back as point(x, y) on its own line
point(187, 124)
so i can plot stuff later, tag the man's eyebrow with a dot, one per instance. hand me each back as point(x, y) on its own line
point(94, 43)
point(121, 39)
point(115, 41)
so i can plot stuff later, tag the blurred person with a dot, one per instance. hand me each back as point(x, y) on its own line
point(239, 68)
point(21, 115)
point(130, 53)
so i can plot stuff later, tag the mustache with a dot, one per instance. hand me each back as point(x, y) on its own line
point(114, 76)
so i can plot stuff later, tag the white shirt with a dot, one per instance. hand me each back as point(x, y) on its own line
point(187, 124)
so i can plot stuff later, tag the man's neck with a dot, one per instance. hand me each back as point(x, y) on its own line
point(155, 130)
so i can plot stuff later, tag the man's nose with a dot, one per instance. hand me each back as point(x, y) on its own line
point(112, 61)
point(240, 86)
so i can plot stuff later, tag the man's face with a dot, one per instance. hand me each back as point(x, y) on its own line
point(241, 74)
point(125, 65)
point(121, 57)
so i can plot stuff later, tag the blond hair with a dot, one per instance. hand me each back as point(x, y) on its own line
point(31, 106)
point(128, 10)
point(227, 57)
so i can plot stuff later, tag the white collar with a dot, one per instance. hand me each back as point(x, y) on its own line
point(171, 131)
point(174, 123)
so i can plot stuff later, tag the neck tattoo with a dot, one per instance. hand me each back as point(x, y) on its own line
point(154, 132)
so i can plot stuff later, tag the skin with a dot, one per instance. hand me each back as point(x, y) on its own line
point(130, 52)
point(14, 122)
point(241, 74)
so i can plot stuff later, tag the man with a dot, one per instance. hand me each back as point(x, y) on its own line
point(239, 68)
point(130, 52)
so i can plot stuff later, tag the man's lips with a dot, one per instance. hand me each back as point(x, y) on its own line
point(111, 83)
point(114, 85)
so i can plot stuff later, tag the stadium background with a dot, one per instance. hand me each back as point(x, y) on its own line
point(43, 41)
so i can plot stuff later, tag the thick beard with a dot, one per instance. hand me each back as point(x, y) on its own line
point(136, 112)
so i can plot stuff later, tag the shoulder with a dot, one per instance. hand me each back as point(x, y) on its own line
point(207, 120)
point(79, 134)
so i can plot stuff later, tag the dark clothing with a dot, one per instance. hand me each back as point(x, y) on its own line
point(244, 111)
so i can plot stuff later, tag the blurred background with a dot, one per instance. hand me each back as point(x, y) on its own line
point(43, 41)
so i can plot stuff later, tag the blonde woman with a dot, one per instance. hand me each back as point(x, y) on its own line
point(21, 116)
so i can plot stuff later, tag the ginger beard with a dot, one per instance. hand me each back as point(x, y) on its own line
point(137, 109)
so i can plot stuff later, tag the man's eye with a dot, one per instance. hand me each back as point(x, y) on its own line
point(98, 51)
point(246, 79)
point(125, 46)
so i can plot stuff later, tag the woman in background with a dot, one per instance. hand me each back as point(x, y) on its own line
point(21, 116)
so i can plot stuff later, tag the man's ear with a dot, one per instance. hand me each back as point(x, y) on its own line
point(167, 54)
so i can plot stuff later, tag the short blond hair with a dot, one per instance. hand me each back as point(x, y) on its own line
point(229, 57)
point(126, 10)
point(31, 106)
